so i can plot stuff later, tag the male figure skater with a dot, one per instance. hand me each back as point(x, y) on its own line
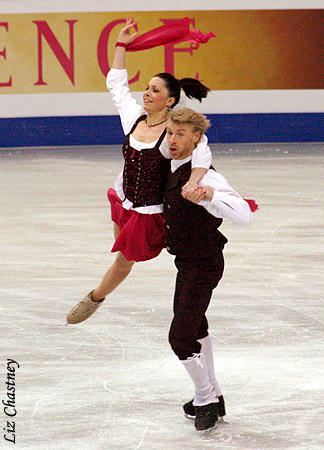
point(192, 235)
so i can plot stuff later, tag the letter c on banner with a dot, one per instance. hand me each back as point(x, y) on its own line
point(102, 49)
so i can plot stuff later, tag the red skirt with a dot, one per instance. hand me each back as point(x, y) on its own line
point(141, 236)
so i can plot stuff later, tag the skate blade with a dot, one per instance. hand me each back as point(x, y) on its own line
point(205, 433)
point(188, 416)
point(222, 421)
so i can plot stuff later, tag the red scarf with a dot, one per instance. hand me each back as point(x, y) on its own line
point(172, 33)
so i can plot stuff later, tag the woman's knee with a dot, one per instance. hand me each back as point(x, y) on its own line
point(122, 264)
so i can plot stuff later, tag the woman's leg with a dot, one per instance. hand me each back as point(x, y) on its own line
point(115, 274)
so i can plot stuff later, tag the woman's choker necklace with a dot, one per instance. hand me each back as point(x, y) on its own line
point(154, 124)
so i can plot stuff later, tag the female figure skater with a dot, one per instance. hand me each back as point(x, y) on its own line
point(137, 203)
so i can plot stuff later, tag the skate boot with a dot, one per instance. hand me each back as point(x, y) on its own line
point(83, 309)
point(206, 418)
point(190, 412)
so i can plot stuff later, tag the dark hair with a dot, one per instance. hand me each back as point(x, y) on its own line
point(191, 87)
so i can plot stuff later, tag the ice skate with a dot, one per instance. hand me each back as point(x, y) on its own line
point(206, 418)
point(190, 411)
point(83, 309)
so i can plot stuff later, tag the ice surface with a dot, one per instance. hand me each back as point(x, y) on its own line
point(113, 383)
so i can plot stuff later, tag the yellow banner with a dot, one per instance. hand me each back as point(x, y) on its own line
point(71, 52)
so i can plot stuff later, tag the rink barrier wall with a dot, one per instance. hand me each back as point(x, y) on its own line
point(106, 130)
point(278, 99)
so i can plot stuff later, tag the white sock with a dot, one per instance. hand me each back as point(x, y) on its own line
point(197, 370)
point(207, 352)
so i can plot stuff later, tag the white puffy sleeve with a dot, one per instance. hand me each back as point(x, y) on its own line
point(128, 108)
point(201, 156)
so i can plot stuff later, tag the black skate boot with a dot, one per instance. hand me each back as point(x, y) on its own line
point(190, 412)
point(206, 418)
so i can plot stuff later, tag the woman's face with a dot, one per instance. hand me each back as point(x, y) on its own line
point(156, 96)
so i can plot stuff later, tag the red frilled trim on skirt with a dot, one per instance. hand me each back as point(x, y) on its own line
point(141, 235)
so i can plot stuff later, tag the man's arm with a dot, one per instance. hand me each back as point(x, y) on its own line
point(221, 200)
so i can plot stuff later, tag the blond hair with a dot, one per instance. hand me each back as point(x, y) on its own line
point(187, 116)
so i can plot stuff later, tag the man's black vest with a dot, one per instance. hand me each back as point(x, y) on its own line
point(191, 232)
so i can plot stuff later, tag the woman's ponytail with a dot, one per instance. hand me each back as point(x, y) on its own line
point(191, 87)
point(194, 88)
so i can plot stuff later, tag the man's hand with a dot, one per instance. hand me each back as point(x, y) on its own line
point(188, 188)
point(209, 193)
point(196, 195)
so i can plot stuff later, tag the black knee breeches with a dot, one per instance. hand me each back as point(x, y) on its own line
point(194, 287)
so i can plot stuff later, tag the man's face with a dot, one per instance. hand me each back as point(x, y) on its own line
point(182, 139)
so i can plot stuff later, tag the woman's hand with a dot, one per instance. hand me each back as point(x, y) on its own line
point(125, 35)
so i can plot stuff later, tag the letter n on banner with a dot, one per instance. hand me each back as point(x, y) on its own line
point(66, 62)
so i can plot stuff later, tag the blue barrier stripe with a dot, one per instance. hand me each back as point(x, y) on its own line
point(106, 130)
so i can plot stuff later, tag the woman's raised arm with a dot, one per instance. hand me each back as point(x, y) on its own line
point(124, 38)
